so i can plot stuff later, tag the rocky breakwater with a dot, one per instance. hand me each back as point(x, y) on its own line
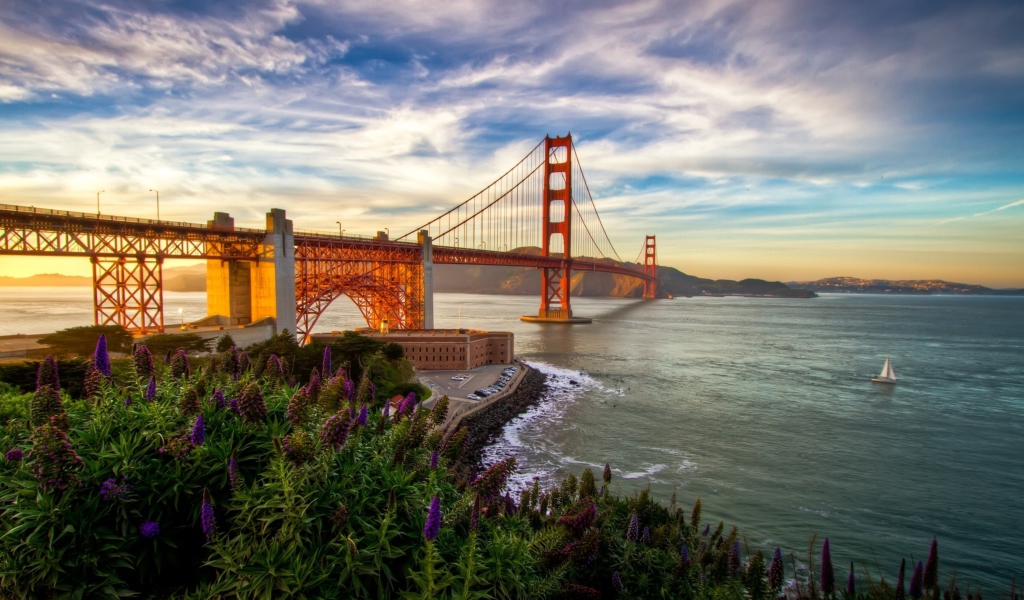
point(484, 423)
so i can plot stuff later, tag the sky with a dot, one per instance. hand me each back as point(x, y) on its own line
point(788, 140)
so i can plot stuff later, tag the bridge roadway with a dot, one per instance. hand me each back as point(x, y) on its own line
point(386, 279)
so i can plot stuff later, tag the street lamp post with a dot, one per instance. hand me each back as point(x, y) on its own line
point(157, 203)
point(181, 311)
point(341, 232)
point(98, 201)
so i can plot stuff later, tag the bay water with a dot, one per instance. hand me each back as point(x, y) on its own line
point(762, 407)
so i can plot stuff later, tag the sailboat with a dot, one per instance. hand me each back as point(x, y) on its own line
point(888, 374)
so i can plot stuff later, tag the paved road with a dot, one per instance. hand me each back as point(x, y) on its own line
point(441, 382)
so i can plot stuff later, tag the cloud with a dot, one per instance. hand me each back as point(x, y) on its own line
point(737, 115)
point(1003, 207)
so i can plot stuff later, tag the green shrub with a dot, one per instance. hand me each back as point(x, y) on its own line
point(162, 343)
point(225, 342)
point(82, 340)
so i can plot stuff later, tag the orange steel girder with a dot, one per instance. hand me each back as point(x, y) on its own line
point(650, 267)
point(129, 293)
point(557, 211)
point(383, 279)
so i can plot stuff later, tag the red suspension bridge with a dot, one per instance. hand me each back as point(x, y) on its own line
point(293, 276)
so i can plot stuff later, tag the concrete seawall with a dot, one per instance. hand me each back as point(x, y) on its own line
point(484, 423)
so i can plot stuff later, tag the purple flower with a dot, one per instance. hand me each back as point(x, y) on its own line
point(364, 414)
point(142, 359)
point(735, 560)
point(206, 515)
point(851, 590)
point(931, 567)
point(252, 406)
point(916, 590)
point(149, 529)
point(151, 390)
point(47, 373)
point(645, 537)
point(127, 401)
point(490, 483)
point(113, 490)
point(828, 574)
point(100, 357)
point(179, 364)
point(334, 431)
point(274, 370)
point(684, 559)
point(14, 455)
point(606, 475)
point(350, 389)
point(900, 593)
point(707, 528)
point(617, 582)
point(233, 364)
point(433, 526)
point(633, 529)
point(387, 410)
point(433, 460)
point(234, 406)
point(776, 571)
point(218, 399)
point(325, 367)
point(243, 361)
point(233, 475)
point(198, 431)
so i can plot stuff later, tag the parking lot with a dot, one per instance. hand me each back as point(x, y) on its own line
point(442, 383)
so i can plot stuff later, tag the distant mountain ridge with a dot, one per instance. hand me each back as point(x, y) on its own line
point(176, 279)
point(474, 279)
point(853, 285)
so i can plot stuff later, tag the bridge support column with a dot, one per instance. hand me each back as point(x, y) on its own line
point(129, 293)
point(228, 282)
point(556, 283)
point(273, 275)
point(650, 267)
point(427, 250)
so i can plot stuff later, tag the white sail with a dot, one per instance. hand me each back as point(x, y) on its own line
point(885, 369)
point(892, 373)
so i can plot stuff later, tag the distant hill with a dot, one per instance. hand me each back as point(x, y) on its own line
point(474, 279)
point(852, 285)
point(176, 279)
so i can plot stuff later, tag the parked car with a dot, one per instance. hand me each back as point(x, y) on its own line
point(474, 397)
point(483, 393)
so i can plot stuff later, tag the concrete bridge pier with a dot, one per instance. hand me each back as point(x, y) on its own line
point(427, 249)
point(240, 292)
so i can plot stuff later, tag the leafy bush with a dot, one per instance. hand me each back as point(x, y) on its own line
point(225, 342)
point(393, 351)
point(82, 340)
point(22, 375)
point(162, 343)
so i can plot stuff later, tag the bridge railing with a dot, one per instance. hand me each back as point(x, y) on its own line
point(112, 218)
point(330, 235)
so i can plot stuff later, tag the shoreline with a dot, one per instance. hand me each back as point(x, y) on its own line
point(485, 423)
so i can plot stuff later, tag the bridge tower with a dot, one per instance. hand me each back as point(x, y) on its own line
point(650, 267)
point(129, 291)
point(556, 202)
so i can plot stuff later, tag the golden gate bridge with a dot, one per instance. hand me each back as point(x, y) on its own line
point(293, 276)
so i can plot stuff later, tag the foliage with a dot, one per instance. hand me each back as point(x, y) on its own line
point(119, 496)
point(82, 340)
point(225, 342)
point(23, 375)
point(393, 351)
point(161, 343)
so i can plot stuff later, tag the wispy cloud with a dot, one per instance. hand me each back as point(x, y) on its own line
point(727, 113)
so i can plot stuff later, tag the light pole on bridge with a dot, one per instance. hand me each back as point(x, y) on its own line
point(341, 232)
point(157, 203)
point(98, 201)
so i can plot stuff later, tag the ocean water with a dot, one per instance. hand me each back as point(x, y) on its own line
point(764, 408)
